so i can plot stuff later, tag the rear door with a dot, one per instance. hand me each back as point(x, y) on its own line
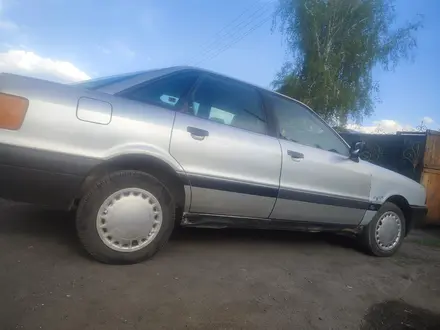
point(319, 183)
point(223, 144)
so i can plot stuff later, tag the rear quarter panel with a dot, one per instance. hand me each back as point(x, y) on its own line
point(52, 124)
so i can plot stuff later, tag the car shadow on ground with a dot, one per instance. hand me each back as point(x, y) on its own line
point(226, 235)
point(23, 220)
point(59, 228)
point(398, 315)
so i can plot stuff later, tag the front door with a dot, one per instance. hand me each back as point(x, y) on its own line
point(222, 144)
point(319, 183)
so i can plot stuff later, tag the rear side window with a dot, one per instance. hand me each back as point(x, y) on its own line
point(229, 102)
point(166, 92)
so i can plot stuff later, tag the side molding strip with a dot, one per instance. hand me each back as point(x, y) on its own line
point(233, 186)
point(302, 196)
point(200, 181)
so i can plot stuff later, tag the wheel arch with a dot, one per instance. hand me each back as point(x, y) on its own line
point(403, 204)
point(160, 169)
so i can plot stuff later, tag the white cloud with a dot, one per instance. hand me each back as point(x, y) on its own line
point(384, 126)
point(428, 120)
point(388, 126)
point(31, 64)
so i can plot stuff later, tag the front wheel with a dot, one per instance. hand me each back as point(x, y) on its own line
point(383, 236)
point(125, 218)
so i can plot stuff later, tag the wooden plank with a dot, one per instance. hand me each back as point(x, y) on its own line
point(431, 181)
point(432, 150)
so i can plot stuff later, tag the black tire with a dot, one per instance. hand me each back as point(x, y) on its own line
point(92, 201)
point(369, 232)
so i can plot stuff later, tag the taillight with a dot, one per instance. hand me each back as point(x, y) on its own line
point(12, 111)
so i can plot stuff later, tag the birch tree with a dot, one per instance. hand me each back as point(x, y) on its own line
point(334, 46)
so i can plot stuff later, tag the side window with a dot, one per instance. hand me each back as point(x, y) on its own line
point(230, 103)
point(300, 125)
point(166, 91)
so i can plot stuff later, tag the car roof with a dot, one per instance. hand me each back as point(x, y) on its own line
point(142, 76)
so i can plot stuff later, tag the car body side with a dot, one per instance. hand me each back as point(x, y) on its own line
point(71, 136)
point(55, 147)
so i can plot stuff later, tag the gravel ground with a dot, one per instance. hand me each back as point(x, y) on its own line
point(212, 279)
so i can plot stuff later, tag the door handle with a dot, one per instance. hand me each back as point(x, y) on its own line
point(197, 133)
point(295, 154)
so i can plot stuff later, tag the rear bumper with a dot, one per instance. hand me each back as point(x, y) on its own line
point(418, 215)
point(41, 177)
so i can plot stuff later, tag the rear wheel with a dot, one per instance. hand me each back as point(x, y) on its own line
point(125, 218)
point(383, 236)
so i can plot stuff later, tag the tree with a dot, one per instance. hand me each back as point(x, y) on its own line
point(335, 44)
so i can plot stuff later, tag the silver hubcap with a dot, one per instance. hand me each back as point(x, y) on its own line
point(388, 231)
point(129, 219)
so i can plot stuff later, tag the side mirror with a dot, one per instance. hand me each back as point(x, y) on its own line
point(355, 150)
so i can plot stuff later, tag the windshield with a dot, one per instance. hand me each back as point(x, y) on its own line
point(105, 81)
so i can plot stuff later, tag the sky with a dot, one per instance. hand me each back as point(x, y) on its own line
point(66, 40)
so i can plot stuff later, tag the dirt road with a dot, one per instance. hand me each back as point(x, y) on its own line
point(211, 279)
